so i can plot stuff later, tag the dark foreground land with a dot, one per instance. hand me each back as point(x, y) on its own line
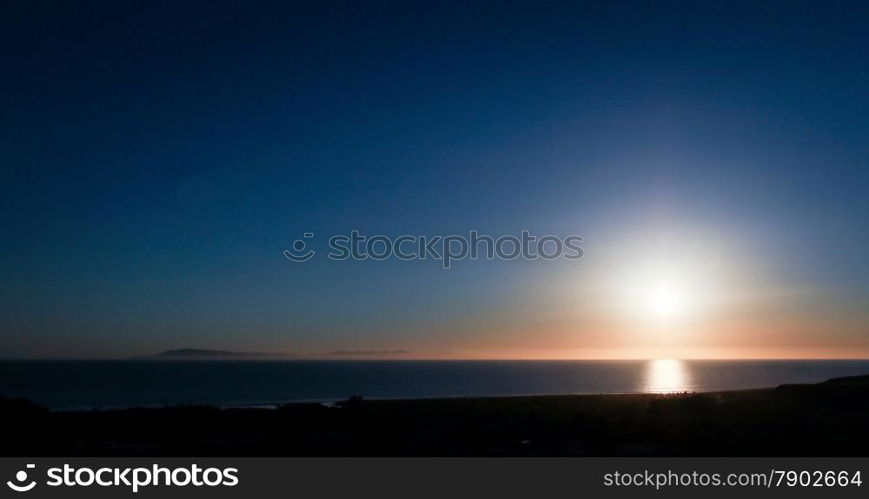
point(827, 419)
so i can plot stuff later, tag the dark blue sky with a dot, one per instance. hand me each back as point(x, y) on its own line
point(158, 157)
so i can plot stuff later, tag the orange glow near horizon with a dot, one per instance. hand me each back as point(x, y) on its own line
point(627, 354)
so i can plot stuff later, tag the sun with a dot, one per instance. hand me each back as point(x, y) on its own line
point(665, 301)
point(664, 293)
point(671, 293)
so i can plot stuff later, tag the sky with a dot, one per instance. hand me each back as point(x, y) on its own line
point(158, 158)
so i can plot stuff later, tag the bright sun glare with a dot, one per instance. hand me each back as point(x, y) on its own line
point(665, 301)
point(664, 294)
point(669, 293)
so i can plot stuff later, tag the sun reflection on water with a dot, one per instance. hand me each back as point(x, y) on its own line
point(667, 376)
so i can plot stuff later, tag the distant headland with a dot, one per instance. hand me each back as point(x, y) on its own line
point(200, 353)
point(210, 354)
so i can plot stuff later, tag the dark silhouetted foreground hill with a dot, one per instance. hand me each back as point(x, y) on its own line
point(827, 419)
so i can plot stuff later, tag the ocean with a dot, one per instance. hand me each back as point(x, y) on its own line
point(69, 385)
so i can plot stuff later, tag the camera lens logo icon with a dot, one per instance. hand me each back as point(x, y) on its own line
point(298, 253)
point(18, 485)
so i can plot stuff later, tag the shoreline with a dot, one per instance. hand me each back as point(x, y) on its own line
point(117, 385)
point(825, 419)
